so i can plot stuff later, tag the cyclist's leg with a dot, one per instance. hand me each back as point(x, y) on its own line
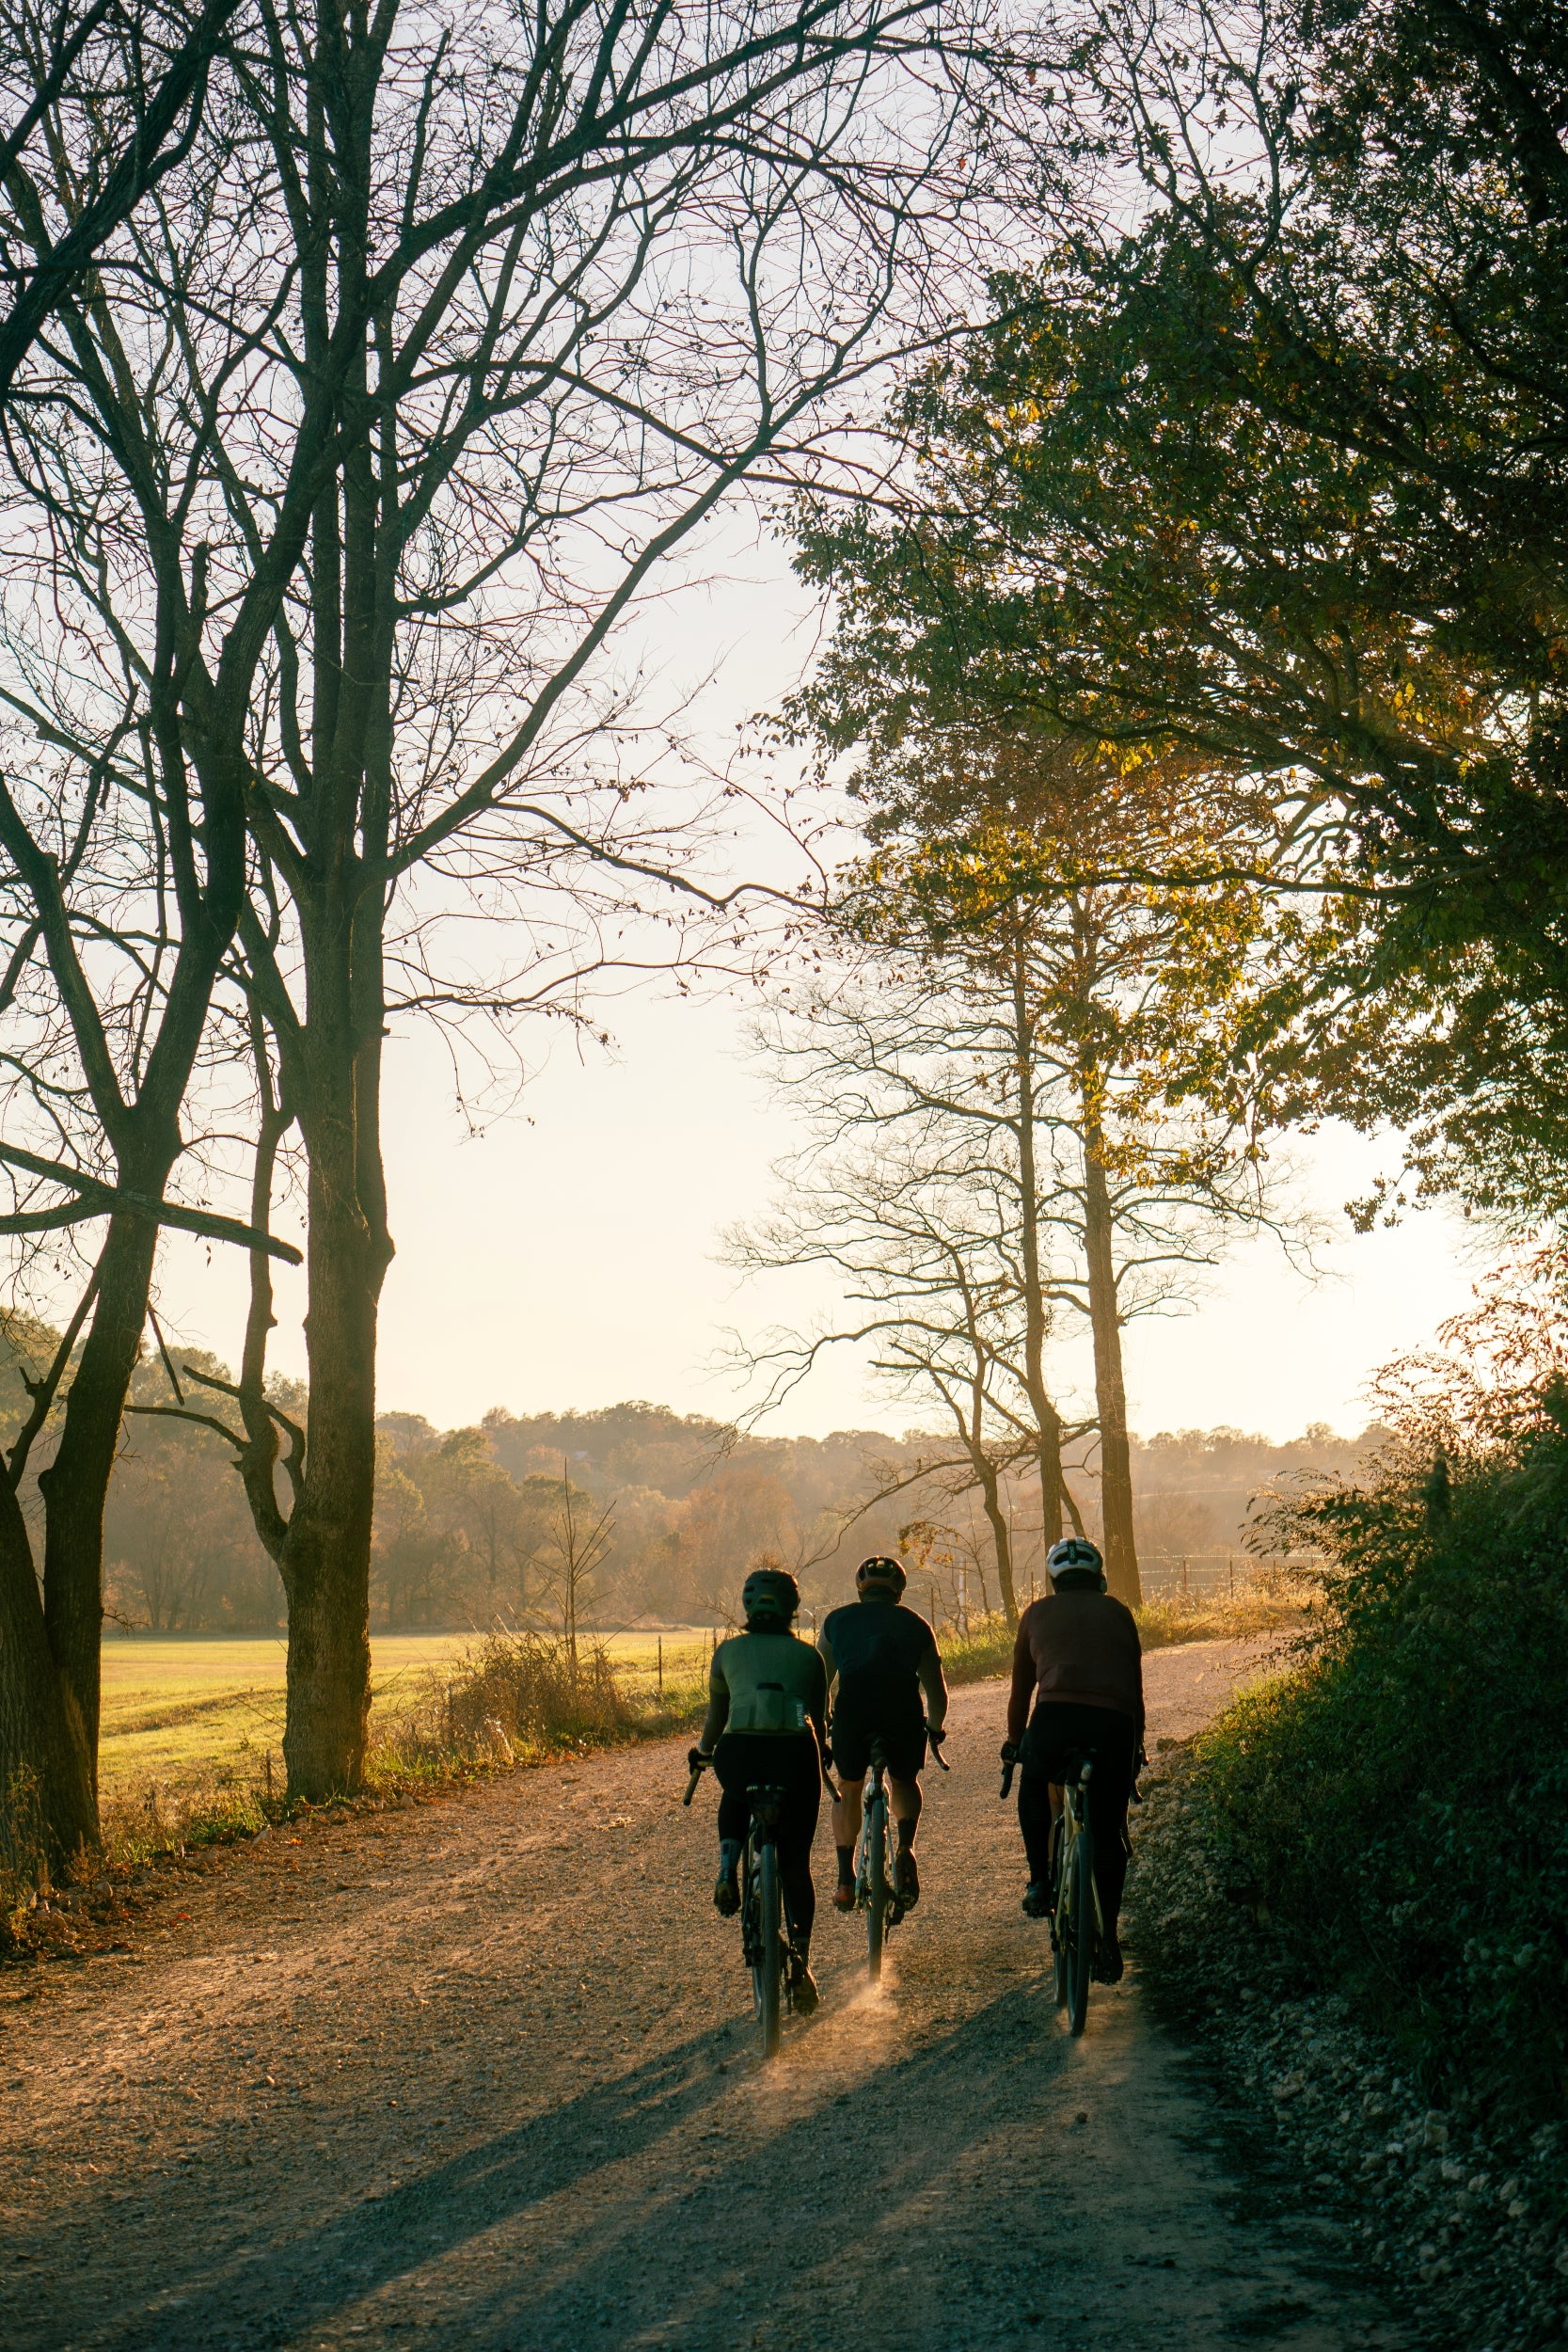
point(797, 1828)
point(798, 1775)
point(1035, 1814)
point(1109, 1792)
point(905, 1747)
point(851, 1745)
point(1039, 1798)
point(1063, 1727)
point(732, 1766)
point(849, 1805)
point(907, 1797)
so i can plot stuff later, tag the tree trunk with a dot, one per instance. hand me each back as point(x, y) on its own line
point(1048, 1421)
point(76, 1484)
point(1053, 1484)
point(325, 1557)
point(1001, 1539)
point(1115, 1471)
point(47, 1808)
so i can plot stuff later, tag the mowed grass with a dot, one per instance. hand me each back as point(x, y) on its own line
point(178, 1708)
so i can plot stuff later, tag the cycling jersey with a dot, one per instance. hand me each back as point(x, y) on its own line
point(774, 1683)
point(1079, 1649)
point(878, 1642)
point(1079, 1657)
point(876, 1648)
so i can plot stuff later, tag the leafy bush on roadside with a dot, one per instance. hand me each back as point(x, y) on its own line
point(1395, 1814)
point(1389, 1822)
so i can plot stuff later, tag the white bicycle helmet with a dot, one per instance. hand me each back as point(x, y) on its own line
point(1075, 1552)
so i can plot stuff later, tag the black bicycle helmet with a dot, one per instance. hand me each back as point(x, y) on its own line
point(1075, 1554)
point(882, 1568)
point(770, 1592)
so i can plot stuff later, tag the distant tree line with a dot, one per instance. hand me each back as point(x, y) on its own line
point(476, 1524)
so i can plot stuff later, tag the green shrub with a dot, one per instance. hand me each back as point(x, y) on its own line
point(983, 1650)
point(515, 1693)
point(1390, 1820)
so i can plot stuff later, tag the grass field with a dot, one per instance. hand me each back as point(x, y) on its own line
point(177, 1708)
point(180, 1711)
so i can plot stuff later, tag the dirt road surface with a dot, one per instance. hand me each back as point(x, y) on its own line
point(479, 2078)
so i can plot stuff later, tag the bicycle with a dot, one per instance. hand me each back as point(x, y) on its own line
point(1076, 1923)
point(767, 1940)
point(875, 1892)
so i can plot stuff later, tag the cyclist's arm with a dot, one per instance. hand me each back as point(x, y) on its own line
point(1023, 1682)
point(830, 1668)
point(718, 1708)
point(816, 1713)
point(933, 1682)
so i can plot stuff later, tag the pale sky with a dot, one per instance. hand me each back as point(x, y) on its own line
point(567, 1258)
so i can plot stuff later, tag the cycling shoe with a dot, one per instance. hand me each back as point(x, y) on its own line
point(1107, 1968)
point(803, 1993)
point(906, 1878)
point(1037, 1900)
point(845, 1895)
point(726, 1898)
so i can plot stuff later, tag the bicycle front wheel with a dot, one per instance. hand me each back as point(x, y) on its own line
point(876, 1888)
point(767, 1967)
point(1081, 1948)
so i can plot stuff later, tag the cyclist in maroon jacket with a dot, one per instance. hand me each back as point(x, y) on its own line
point(1079, 1657)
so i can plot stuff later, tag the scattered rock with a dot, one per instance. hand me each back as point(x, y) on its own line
point(1448, 2204)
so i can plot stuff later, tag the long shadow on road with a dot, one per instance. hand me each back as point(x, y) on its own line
point(952, 2196)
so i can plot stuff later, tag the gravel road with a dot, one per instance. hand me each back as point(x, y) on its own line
point(478, 2076)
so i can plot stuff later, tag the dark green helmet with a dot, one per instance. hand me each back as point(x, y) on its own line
point(770, 1592)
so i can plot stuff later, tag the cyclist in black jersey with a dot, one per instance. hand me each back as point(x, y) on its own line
point(766, 1726)
point(881, 1660)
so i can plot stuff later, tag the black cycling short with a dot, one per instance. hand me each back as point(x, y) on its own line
point(1060, 1735)
point(787, 1760)
point(743, 1761)
point(863, 1714)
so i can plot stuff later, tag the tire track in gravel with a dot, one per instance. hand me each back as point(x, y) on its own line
point(480, 2078)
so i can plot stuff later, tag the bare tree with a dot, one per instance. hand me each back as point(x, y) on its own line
point(117, 89)
point(999, 1054)
point(917, 1240)
point(135, 622)
point(430, 348)
point(677, 232)
point(577, 1543)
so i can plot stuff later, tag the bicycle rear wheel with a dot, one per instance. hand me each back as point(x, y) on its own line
point(767, 1967)
point(876, 1890)
point(1081, 1948)
point(1060, 1923)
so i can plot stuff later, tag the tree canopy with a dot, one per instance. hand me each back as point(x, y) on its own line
point(1275, 481)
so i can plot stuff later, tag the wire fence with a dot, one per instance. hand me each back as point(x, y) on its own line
point(1218, 1575)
